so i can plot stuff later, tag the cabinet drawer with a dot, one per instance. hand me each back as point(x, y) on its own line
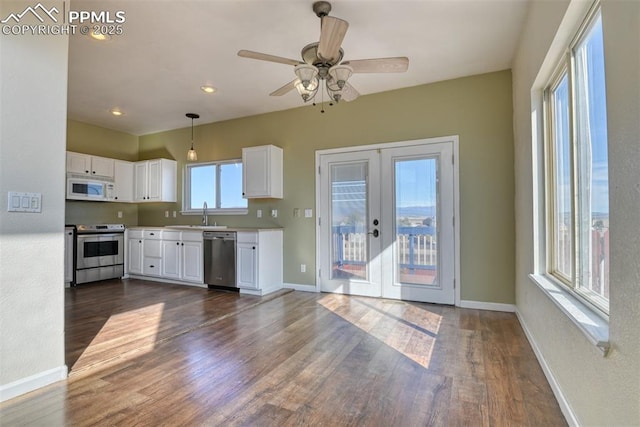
point(192, 236)
point(171, 235)
point(134, 234)
point(247, 237)
point(152, 266)
point(153, 234)
point(152, 248)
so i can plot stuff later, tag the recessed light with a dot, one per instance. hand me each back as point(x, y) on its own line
point(208, 88)
point(100, 36)
point(116, 112)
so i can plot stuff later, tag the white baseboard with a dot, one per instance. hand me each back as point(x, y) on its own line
point(299, 287)
point(33, 382)
point(492, 306)
point(555, 387)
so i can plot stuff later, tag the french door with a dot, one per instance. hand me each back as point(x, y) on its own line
point(386, 222)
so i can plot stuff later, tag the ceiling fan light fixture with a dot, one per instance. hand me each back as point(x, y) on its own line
point(306, 73)
point(340, 74)
point(307, 93)
point(192, 156)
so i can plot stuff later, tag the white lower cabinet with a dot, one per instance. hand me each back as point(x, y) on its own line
point(177, 256)
point(182, 256)
point(247, 265)
point(134, 252)
point(152, 257)
point(259, 261)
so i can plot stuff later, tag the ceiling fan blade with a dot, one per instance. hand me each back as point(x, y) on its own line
point(398, 64)
point(266, 57)
point(285, 89)
point(349, 93)
point(331, 35)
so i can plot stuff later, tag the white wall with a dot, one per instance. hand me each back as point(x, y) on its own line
point(33, 107)
point(596, 390)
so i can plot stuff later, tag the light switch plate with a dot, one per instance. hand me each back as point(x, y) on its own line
point(24, 202)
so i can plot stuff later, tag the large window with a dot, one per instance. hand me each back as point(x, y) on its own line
point(577, 169)
point(219, 184)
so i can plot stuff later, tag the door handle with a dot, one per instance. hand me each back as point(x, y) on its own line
point(374, 233)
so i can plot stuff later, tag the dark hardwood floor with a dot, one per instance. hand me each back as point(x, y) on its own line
point(149, 354)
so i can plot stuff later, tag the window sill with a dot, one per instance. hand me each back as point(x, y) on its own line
point(240, 211)
point(594, 327)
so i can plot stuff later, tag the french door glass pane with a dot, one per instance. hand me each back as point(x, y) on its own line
point(561, 170)
point(592, 165)
point(349, 219)
point(416, 201)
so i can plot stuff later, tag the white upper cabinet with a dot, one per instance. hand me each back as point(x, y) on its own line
point(123, 178)
point(155, 180)
point(262, 172)
point(85, 164)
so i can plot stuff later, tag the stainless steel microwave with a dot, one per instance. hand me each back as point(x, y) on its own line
point(83, 188)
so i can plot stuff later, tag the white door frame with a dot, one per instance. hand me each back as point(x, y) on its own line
point(454, 139)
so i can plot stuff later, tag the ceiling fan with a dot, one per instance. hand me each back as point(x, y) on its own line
point(321, 66)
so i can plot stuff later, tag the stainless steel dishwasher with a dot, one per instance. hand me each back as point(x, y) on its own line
point(220, 258)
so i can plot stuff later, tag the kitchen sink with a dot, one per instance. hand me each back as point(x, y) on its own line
point(198, 227)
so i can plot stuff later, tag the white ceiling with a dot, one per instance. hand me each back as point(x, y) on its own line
point(168, 49)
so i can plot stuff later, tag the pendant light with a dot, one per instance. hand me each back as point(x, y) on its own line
point(191, 154)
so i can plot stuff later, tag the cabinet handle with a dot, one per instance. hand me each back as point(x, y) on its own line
point(86, 171)
point(177, 243)
point(182, 244)
point(254, 248)
point(116, 197)
point(139, 241)
point(152, 266)
point(93, 172)
point(151, 234)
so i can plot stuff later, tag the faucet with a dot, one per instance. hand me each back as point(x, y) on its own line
point(205, 218)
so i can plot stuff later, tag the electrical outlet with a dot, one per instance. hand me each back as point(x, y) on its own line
point(259, 213)
point(274, 213)
point(296, 212)
point(303, 268)
point(166, 214)
point(308, 213)
point(119, 214)
point(174, 214)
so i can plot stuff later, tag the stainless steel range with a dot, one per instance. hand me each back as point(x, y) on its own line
point(100, 252)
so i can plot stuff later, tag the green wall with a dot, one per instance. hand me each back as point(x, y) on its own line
point(99, 141)
point(477, 108)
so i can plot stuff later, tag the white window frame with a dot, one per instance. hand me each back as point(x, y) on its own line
point(592, 322)
point(567, 65)
point(211, 210)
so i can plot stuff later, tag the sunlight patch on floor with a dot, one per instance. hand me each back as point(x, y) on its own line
point(113, 341)
point(410, 329)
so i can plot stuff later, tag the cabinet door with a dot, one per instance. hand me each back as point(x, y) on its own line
point(171, 259)
point(78, 163)
point(246, 265)
point(134, 250)
point(140, 179)
point(255, 171)
point(154, 180)
point(123, 176)
point(192, 262)
point(101, 166)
